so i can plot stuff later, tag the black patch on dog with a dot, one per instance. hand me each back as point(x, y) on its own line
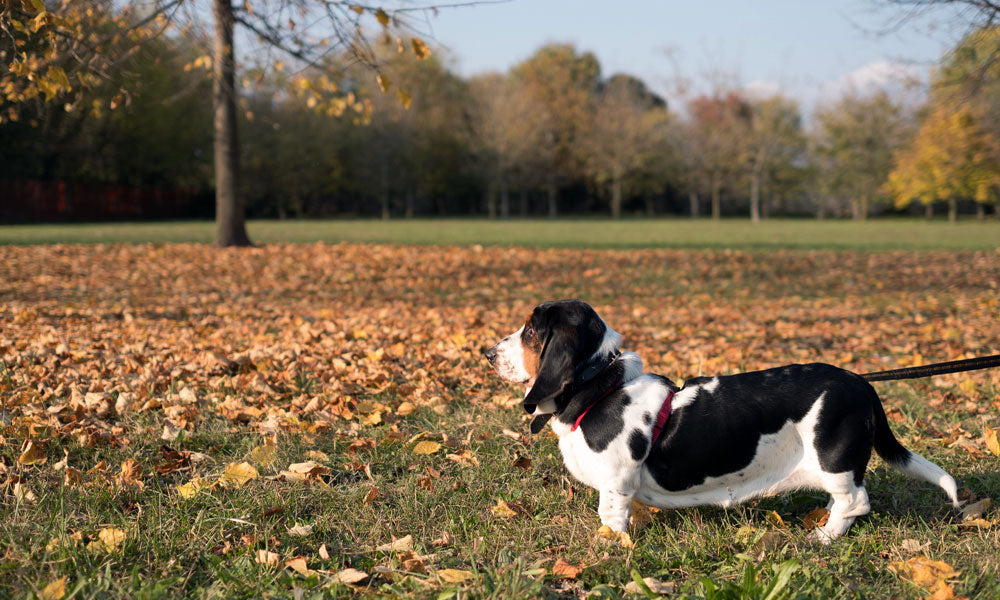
point(718, 433)
point(638, 444)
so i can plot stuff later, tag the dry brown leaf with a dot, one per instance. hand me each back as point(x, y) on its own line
point(641, 515)
point(655, 585)
point(350, 576)
point(323, 552)
point(816, 518)
point(401, 545)
point(371, 495)
point(976, 509)
point(522, 462)
point(775, 519)
point(300, 530)
point(267, 558)
point(32, 453)
point(299, 565)
point(565, 570)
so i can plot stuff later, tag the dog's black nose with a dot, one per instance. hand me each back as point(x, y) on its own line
point(491, 354)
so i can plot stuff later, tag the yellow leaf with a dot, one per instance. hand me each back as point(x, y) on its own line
point(426, 447)
point(32, 454)
point(358, 9)
point(990, 435)
point(404, 98)
point(55, 590)
point(266, 557)
point(265, 454)
point(420, 48)
point(237, 474)
point(189, 489)
point(279, 66)
point(405, 408)
point(775, 519)
point(606, 533)
point(968, 386)
point(107, 540)
point(454, 575)
point(502, 509)
point(383, 17)
point(383, 82)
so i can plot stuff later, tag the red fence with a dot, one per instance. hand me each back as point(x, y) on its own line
point(33, 200)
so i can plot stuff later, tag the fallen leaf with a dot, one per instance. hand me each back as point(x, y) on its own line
point(815, 518)
point(299, 565)
point(426, 447)
point(913, 546)
point(350, 576)
point(502, 509)
point(371, 495)
point(405, 408)
point(990, 437)
point(522, 462)
point(976, 509)
point(268, 558)
point(32, 453)
point(264, 455)
point(300, 530)
point(400, 545)
point(323, 552)
point(454, 575)
point(641, 515)
point(775, 519)
point(189, 489)
point(975, 524)
point(237, 474)
point(654, 585)
point(55, 590)
point(565, 570)
point(444, 540)
point(108, 540)
point(606, 533)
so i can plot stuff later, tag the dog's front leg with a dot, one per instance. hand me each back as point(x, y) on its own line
point(615, 508)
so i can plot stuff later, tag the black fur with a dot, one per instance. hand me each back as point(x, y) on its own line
point(637, 444)
point(718, 433)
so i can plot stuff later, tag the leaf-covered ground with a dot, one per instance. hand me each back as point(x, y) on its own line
point(317, 421)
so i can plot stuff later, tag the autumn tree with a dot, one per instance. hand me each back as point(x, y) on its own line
point(855, 141)
point(506, 129)
point(952, 157)
point(718, 131)
point(625, 130)
point(774, 138)
point(56, 52)
point(560, 82)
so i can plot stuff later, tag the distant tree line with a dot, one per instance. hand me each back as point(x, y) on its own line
point(553, 136)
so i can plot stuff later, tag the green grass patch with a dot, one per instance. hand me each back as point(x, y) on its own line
point(876, 234)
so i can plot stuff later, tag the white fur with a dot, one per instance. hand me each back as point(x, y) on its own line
point(510, 359)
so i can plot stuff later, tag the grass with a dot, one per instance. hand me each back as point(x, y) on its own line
point(880, 234)
point(140, 318)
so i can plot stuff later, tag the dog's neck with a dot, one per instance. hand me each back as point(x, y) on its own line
point(618, 369)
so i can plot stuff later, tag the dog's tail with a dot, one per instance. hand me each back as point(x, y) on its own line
point(910, 463)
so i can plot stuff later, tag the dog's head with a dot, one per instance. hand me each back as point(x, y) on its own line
point(560, 343)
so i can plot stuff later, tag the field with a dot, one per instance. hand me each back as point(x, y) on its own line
point(881, 234)
point(317, 420)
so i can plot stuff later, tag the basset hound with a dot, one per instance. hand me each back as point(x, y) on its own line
point(718, 440)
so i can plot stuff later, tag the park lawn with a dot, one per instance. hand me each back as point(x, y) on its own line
point(875, 234)
point(155, 372)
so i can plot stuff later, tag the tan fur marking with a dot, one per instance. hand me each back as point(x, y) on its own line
point(532, 351)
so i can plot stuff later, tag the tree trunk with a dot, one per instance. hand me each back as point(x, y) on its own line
point(524, 203)
point(693, 201)
point(383, 192)
point(553, 193)
point(929, 211)
point(952, 210)
point(410, 201)
point(647, 199)
point(864, 208)
point(616, 198)
point(716, 199)
point(754, 196)
point(491, 200)
point(230, 214)
point(504, 199)
point(980, 211)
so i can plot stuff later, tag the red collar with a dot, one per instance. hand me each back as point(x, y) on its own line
point(661, 419)
point(616, 386)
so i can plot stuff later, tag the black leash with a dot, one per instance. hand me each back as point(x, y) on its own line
point(954, 366)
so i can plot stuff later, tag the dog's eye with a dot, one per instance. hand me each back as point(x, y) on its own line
point(530, 333)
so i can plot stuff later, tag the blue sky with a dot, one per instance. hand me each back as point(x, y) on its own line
point(810, 50)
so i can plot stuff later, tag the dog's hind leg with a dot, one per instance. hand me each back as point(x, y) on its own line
point(848, 501)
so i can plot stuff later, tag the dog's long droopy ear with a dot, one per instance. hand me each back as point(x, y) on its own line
point(555, 369)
